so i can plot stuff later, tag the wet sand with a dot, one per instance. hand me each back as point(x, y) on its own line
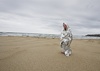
point(44, 54)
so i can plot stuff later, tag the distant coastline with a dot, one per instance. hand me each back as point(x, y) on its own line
point(93, 35)
point(39, 35)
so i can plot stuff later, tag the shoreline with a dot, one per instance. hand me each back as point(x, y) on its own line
point(39, 35)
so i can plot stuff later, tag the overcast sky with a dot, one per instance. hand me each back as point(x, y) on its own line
point(47, 16)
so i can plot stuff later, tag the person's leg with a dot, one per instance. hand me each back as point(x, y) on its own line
point(70, 51)
point(62, 47)
point(67, 51)
point(65, 48)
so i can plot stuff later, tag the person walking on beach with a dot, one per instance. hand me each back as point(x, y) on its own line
point(66, 39)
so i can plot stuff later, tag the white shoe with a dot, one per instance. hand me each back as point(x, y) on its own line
point(66, 53)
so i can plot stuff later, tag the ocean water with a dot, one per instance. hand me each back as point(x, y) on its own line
point(44, 35)
point(29, 34)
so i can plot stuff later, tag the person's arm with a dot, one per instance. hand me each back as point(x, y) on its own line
point(62, 35)
point(68, 35)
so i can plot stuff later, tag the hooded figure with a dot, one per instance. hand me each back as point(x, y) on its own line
point(66, 39)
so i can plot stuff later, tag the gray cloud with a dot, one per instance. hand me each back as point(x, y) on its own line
point(47, 16)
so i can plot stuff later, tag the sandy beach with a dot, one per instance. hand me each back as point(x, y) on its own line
point(44, 54)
